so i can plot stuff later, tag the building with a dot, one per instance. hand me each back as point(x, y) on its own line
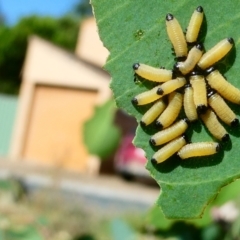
point(58, 94)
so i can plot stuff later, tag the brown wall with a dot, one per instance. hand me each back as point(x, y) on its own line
point(56, 120)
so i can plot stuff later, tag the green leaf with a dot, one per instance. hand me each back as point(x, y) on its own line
point(134, 31)
point(156, 219)
point(101, 136)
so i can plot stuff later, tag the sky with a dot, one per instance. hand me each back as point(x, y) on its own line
point(13, 10)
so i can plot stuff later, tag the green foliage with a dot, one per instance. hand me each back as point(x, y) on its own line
point(83, 8)
point(134, 31)
point(101, 136)
point(22, 233)
point(13, 44)
point(47, 214)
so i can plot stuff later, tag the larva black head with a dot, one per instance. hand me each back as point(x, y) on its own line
point(142, 123)
point(195, 73)
point(134, 101)
point(225, 138)
point(176, 67)
point(158, 124)
point(186, 121)
point(154, 161)
point(201, 109)
point(199, 9)
point(152, 141)
point(184, 136)
point(188, 85)
point(160, 91)
point(218, 147)
point(210, 92)
point(230, 40)
point(169, 17)
point(176, 71)
point(136, 66)
point(235, 123)
point(199, 46)
point(210, 70)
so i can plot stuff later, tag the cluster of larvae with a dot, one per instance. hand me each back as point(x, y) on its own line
point(194, 84)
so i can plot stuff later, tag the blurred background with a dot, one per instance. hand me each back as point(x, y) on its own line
point(68, 168)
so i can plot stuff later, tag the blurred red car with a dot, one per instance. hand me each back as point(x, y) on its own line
point(129, 160)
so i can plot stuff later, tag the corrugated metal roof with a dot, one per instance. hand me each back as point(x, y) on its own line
point(8, 107)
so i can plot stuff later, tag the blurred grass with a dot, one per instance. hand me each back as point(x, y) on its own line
point(45, 215)
point(49, 214)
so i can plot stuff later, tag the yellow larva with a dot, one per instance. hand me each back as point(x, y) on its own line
point(176, 36)
point(194, 25)
point(199, 91)
point(152, 73)
point(171, 86)
point(188, 104)
point(223, 111)
point(169, 133)
point(214, 126)
point(225, 89)
point(216, 53)
point(146, 97)
point(168, 150)
point(192, 59)
point(169, 115)
point(199, 149)
point(153, 112)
